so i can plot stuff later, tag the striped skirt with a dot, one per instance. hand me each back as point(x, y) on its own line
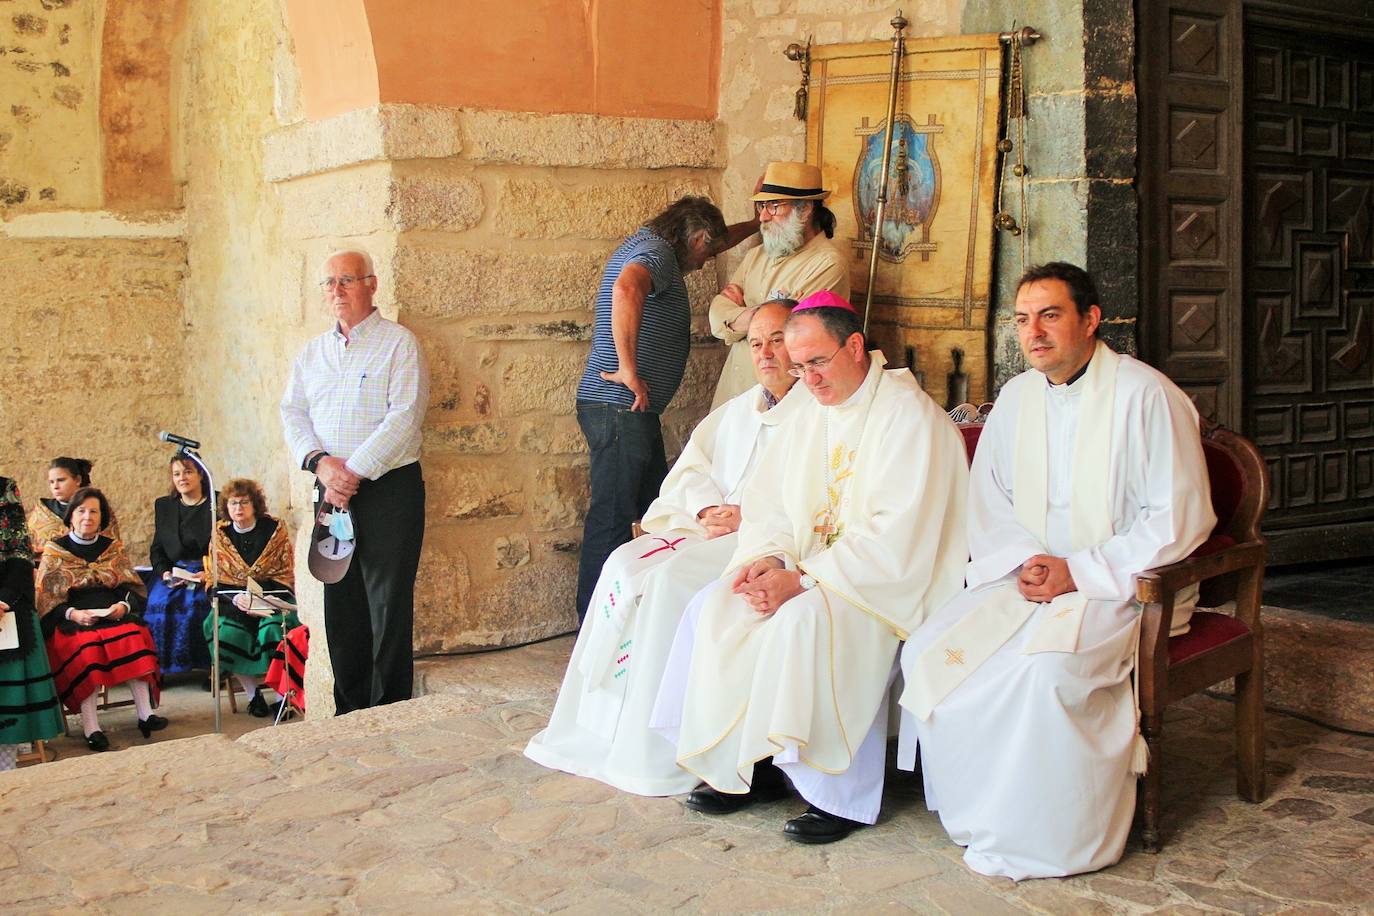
point(29, 710)
point(287, 670)
point(246, 642)
point(93, 657)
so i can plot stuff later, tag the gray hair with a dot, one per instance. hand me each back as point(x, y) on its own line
point(358, 252)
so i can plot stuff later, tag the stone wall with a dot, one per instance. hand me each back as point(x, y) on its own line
point(94, 351)
point(489, 231)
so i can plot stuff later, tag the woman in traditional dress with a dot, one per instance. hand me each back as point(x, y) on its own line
point(90, 602)
point(251, 544)
point(177, 601)
point(65, 477)
point(29, 710)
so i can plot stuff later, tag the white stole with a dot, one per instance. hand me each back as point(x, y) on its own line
point(964, 647)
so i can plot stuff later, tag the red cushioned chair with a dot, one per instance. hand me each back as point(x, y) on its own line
point(1217, 646)
point(1230, 567)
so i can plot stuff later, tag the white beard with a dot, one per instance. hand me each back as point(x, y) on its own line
point(783, 238)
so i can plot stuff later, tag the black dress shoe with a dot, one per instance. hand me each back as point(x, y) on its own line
point(97, 741)
point(151, 724)
point(257, 707)
point(769, 785)
point(817, 826)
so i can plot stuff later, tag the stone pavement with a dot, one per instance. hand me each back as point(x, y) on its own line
point(428, 806)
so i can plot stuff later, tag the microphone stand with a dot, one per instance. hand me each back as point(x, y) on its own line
point(211, 576)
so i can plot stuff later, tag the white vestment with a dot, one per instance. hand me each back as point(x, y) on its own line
point(599, 722)
point(1027, 759)
point(806, 684)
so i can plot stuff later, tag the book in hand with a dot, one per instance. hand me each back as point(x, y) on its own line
point(179, 573)
point(264, 602)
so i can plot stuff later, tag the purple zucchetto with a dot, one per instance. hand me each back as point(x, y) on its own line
point(824, 299)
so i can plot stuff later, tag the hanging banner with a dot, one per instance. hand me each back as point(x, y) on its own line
point(935, 249)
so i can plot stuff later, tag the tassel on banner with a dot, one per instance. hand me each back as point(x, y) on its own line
point(1140, 754)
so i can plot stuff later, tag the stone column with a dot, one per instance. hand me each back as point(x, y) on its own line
point(489, 231)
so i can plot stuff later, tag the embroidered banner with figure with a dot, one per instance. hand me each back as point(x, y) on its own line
point(936, 246)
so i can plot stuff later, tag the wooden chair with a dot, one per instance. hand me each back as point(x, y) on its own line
point(1230, 568)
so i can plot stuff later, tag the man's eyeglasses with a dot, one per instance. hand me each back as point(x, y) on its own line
point(329, 283)
point(772, 206)
point(817, 365)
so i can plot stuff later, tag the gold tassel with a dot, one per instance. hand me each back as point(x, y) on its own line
point(1140, 755)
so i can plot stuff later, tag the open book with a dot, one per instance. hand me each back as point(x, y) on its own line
point(263, 602)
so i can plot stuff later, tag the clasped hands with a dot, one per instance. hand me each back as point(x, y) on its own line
point(1044, 578)
point(719, 520)
point(85, 618)
point(765, 585)
point(340, 484)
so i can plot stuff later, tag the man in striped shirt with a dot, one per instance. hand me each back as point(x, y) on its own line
point(640, 344)
point(352, 411)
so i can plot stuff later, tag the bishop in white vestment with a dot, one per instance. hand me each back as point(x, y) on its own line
point(1089, 471)
point(599, 726)
point(854, 535)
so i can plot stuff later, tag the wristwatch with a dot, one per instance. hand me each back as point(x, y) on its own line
point(314, 460)
point(807, 582)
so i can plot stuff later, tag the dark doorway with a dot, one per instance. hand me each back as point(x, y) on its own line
point(1257, 244)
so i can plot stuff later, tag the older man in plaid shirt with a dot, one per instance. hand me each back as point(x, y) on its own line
point(353, 409)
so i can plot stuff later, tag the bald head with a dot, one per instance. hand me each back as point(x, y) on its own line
point(766, 347)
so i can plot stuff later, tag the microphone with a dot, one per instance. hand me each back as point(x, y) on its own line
point(178, 440)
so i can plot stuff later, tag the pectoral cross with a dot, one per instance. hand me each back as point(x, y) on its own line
point(824, 530)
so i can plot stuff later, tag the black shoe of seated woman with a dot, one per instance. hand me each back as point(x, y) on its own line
point(151, 724)
point(97, 742)
point(257, 707)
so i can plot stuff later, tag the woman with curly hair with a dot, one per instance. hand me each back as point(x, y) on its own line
point(251, 545)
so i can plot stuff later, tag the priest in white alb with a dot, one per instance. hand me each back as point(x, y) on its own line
point(853, 536)
point(1019, 693)
point(599, 727)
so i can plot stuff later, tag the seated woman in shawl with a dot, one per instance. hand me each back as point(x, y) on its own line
point(28, 703)
point(251, 544)
point(177, 601)
point(90, 602)
point(65, 477)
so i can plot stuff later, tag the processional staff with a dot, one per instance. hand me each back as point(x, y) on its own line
point(899, 24)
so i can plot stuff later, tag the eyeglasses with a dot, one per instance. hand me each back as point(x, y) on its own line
point(239, 502)
point(772, 206)
point(817, 365)
point(343, 282)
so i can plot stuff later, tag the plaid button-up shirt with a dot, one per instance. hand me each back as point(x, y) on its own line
point(361, 398)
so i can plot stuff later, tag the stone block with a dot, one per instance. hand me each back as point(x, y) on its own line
point(442, 587)
point(1055, 131)
point(559, 435)
point(535, 600)
point(589, 141)
point(542, 380)
point(472, 490)
point(1109, 135)
point(446, 282)
point(435, 202)
point(389, 131)
point(352, 202)
point(465, 438)
point(1109, 43)
point(560, 497)
point(564, 329)
point(542, 209)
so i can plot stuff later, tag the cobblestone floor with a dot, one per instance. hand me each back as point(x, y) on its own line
point(428, 806)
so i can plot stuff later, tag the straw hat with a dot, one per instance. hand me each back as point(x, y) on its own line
point(791, 181)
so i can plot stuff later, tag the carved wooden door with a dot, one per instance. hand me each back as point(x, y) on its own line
point(1308, 399)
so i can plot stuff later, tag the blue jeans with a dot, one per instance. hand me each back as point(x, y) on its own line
point(627, 468)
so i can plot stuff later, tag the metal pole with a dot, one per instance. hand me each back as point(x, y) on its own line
point(212, 576)
point(899, 24)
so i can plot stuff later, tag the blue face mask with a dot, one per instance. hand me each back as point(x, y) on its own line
point(341, 524)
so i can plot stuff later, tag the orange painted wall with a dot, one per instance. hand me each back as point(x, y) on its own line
point(639, 58)
point(334, 54)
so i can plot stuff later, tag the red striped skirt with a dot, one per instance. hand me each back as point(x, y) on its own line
point(287, 670)
point(88, 659)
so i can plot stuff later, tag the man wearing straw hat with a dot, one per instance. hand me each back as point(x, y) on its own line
point(796, 259)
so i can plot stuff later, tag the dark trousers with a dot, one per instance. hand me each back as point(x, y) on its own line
point(628, 467)
point(369, 614)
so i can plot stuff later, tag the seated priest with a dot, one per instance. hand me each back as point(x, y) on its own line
point(853, 536)
point(599, 726)
point(1089, 471)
